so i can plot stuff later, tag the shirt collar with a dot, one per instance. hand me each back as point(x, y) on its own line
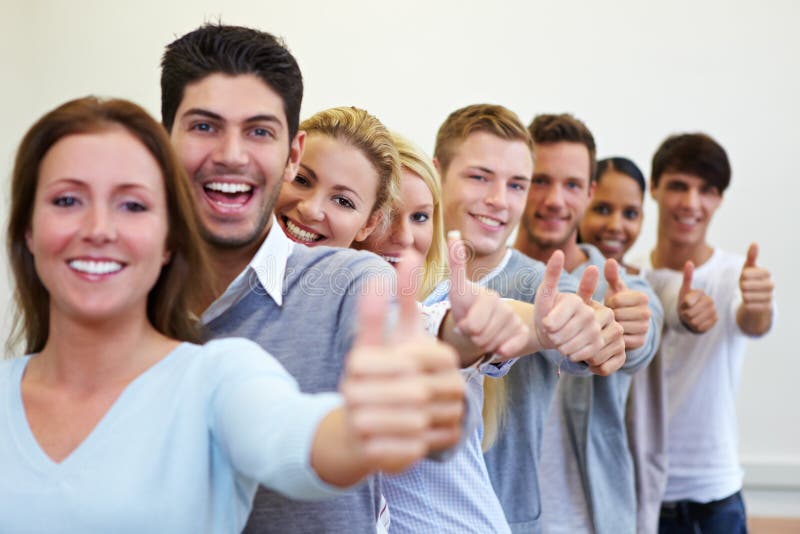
point(269, 267)
point(269, 263)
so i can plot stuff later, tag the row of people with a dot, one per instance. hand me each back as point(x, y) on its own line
point(230, 102)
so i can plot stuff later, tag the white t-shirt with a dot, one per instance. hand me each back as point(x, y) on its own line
point(702, 374)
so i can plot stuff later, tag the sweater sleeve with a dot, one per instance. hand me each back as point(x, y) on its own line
point(263, 423)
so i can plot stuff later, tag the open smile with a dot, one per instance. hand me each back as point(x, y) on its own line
point(228, 196)
point(299, 233)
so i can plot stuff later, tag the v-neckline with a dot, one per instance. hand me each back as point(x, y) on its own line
point(31, 447)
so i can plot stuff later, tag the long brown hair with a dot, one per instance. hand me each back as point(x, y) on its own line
point(182, 281)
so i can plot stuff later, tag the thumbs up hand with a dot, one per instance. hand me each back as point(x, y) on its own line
point(754, 316)
point(696, 309)
point(630, 307)
point(575, 325)
point(404, 395)
point(489, 322)
point(755, 283)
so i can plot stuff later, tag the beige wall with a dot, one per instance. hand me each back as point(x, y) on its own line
point(634, 71)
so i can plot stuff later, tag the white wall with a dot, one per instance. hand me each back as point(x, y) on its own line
point(635, 71)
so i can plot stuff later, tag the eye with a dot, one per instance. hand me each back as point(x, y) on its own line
point(601, 209)
point(202, 127)
point(517, 186)
point(344, 202)
point(65, 201)
point(709, 190)
point(631, 214)
point(259, 131)
point(539, 180)
point(419, 217)
point(478, 177)
point(301, 180)
point(575, 186)
point(133, 206)
point(676, 186)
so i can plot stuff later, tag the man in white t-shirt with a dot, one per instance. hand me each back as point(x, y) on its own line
point(702, 371)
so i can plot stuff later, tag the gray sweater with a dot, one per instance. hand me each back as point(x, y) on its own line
point(310, 334)
point(513, 461)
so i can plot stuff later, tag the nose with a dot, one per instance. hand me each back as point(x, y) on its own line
point(231, 151)
point(691, 198)
point(310, 207)
point(497, 196)
point(614, 221)
point(555, 197)
point(98, 225)
point(401, 232)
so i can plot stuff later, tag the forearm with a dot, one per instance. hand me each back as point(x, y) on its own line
point(336, 456)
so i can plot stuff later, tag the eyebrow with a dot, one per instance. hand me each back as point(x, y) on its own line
point(519, 178)
point(309, 171)
point(263, 117)
point(345, 188)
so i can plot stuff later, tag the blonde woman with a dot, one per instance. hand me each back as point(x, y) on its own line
point(347, 176)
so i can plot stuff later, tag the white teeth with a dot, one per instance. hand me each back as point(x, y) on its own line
point(95, 267)
point(487, 221)
point(391, 259)
point(301, 234)
point(687, 220)
point(612, 243)
point(227, 187)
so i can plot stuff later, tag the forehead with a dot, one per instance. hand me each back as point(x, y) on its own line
point(502, 156)
point(562, 160)
point(101, 158)
point(414, 189)
point(616, 186)
point(233, 97)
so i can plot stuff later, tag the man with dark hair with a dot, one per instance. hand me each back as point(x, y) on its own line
point(231, 101)
point(690, 173)
point(587, 481)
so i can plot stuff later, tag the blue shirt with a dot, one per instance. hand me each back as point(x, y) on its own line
point(182, 449)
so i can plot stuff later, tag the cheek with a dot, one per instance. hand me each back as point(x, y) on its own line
point(423, 236)
point(632, 228)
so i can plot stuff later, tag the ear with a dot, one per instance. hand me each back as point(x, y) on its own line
point(592, 187)
point(296, 148)
point(652, 189)
point(29, 240)
point(166, 258)
point(369, 227)
point(438, 168)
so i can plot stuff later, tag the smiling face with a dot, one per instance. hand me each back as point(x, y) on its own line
point(412, 222)
point(99, 225)
point(559, 194)
point(614, 218)
point(483, 191)
point(331, 199)
point(232, 137)
point(686, 204)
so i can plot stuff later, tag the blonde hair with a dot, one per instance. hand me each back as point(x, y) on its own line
point(490, 118)
point(366, 133)
point(415, 160)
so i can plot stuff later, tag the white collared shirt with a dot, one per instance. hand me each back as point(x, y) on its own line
point(268, 265)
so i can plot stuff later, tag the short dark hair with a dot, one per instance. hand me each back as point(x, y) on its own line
point(693, 153)
point(232, 50)
point(623, 166)
point(183, 281)
point(549, 128)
